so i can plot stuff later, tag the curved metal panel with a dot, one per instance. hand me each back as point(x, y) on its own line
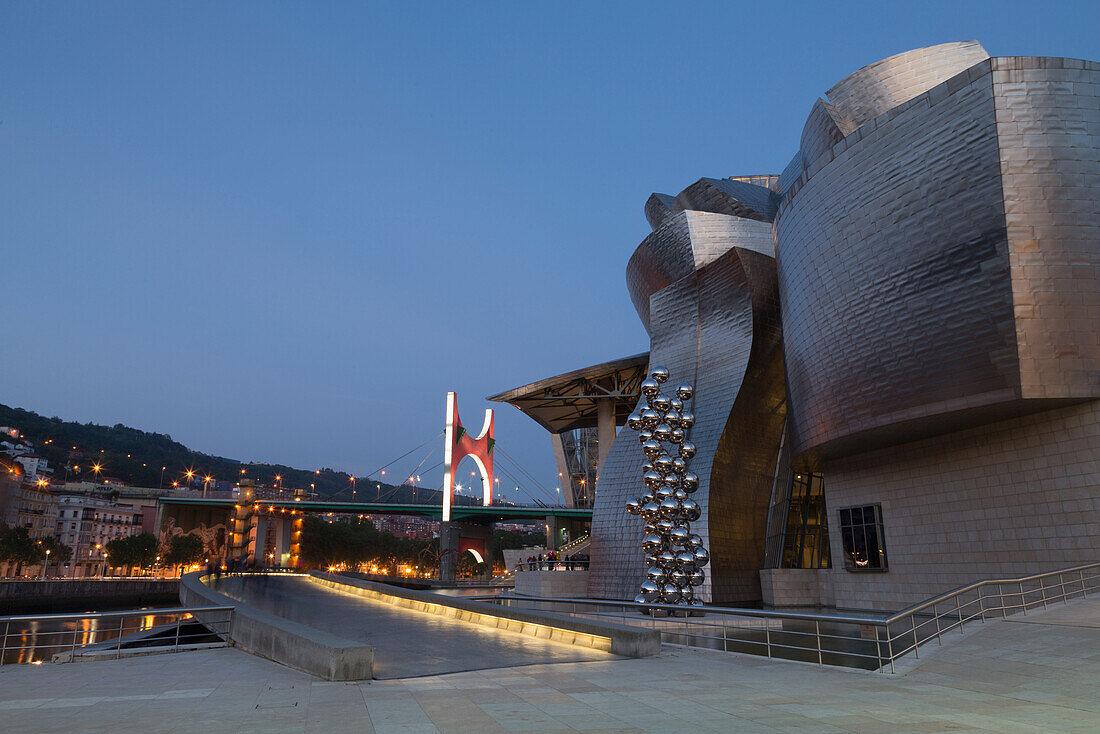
point(879, 87)
point(1048, 130)
point(685, 241)
point(940, 271)
point(703, 326)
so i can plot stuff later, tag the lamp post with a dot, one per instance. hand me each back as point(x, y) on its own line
point(46, 565)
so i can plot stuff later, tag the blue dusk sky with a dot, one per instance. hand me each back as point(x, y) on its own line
point(283, 231)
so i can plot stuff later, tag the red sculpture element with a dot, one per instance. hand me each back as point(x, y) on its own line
point(457, 445)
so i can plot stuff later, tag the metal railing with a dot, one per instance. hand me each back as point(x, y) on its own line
point(851, 640)
point(41, 638)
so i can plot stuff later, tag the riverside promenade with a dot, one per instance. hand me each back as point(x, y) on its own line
point(1039, 673)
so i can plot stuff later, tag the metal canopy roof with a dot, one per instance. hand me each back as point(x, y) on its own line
point(569, 401)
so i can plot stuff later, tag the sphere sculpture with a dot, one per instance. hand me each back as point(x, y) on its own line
point(675, 556)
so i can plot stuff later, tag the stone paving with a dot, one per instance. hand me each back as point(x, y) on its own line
point(1035, 674)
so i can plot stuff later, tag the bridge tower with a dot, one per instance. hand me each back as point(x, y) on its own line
point(457, 445)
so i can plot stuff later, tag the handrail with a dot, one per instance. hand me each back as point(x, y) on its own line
point(921, 606)
point(110, 615)
point(737, 611)
point(36, 638)
point(816, 636)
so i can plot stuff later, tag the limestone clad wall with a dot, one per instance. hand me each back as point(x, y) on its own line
point(1002, 500)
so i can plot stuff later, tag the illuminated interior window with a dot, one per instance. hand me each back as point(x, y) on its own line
point(863, 538)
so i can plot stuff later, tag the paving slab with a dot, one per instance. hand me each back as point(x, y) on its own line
point(1005, 677)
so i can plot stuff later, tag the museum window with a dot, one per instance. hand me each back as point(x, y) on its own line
point(798, 529)
point(863, 539)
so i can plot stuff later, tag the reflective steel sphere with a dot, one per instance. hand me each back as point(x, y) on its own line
point(650, 560)
point(664, 525)
point(652, 480)
point(678, 577)
point(687, 420)
point(679, 494)
point(635, 421)
point(686, 559)
point(660, 403)
point(649, 529)
point(645, 435)
point(652, 543)
point(697, 577)
point(651, 418)
point(702, 558)
point(672, 418)
point(670, 508)
point(659, 374)
point(679, 535)
point(676, 436)
point(685, 391)
point(662, 432)
point(656, 574)
point(652, 449)
point(663, 493)
point(650, 387)
point(677, 404)
point(687, 450)
point(694, 541)
point(670, 593)
point(697, 603)
point(648, 466)
point(634, 506)
point(663, 464)
point(666, 559)
point(650, 592)
point(687, 594)
point(679, 466)
point(639, 599)
point(650, 510)
point(690, 482)
point(690, 510)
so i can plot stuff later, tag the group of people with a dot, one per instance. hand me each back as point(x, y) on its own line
point(552, 560)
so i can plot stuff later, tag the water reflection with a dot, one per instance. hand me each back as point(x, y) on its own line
point(38, 640)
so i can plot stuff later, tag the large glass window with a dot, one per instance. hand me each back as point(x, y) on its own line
point(797, 525)
point(863, 538)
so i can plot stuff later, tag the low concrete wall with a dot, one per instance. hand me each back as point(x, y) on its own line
point(58, 595)
point(563, 584)
point(296, 645)
point(615, 638)
point(796, 587)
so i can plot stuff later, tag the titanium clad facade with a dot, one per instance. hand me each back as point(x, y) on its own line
point(1048, 128)
point(894, 277)
point(702, 330)
point(936, 275)
point(915, 304)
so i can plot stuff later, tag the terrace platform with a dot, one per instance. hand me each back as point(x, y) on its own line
point(1023, 674)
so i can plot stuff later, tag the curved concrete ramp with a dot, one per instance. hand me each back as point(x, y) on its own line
point(406, 642)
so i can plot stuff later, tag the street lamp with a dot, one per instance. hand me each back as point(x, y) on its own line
point(47, 564)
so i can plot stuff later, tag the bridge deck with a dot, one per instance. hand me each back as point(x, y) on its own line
point(492, 513)
point(406, 643)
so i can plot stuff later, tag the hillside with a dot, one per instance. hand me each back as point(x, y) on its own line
point(136, 457)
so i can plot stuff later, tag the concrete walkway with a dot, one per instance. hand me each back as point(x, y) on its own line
point(1034, 674)
point(406, 642)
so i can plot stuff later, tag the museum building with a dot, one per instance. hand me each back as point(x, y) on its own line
point(894, 343)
